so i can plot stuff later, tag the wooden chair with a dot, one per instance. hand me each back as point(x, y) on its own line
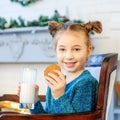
point(108, 65)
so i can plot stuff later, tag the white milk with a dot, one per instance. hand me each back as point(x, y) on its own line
point(27, 93)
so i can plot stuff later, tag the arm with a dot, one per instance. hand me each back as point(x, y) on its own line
point(38, 108)
point(83, 98)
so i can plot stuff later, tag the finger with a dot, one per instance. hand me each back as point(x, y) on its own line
point(49, 84)
point(19, 89)
point(36, 87)
point(57, 79)
point(36, 92)
point(61, 75)
point(51, 80)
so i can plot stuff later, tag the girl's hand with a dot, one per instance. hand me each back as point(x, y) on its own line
point(19, 88)
point(36, 92)
point(57, 84)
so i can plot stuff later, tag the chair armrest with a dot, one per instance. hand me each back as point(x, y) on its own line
point(68, 116)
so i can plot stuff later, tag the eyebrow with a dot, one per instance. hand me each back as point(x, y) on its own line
point(72, 46)
point(77, 45)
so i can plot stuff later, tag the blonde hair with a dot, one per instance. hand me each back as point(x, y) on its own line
point(56, 29)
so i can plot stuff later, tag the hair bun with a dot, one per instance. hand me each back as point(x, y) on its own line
point(94, 26)
point(54, 26)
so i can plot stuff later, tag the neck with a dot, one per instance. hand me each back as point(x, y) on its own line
point(72, 75)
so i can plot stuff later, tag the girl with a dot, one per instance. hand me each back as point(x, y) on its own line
point(76, 91)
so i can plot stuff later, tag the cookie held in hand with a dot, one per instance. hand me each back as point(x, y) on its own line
point(51, 68)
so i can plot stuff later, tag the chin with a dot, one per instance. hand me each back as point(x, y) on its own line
point(70, 69)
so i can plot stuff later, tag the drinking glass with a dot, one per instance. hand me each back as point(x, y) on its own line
point(27, 90)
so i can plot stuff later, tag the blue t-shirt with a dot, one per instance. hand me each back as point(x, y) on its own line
point(80, 96)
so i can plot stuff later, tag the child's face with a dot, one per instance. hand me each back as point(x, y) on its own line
point(72, 51)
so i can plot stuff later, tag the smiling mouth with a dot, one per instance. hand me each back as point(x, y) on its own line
point(70, 64)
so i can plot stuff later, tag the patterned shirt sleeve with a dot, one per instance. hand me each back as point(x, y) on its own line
point(38, 108)
point(82, 99)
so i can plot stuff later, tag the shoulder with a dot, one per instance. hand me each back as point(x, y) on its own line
point(86, 79)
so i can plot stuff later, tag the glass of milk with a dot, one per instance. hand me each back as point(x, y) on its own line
point(27, 91)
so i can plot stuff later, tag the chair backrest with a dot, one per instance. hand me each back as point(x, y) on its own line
point(109, 63)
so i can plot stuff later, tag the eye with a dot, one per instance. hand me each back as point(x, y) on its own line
point(61, 49)
point(76, 49)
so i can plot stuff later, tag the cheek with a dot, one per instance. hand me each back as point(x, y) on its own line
point(82, 57)
point(59, 56)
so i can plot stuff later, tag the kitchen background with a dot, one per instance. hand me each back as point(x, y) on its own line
point(29, 52)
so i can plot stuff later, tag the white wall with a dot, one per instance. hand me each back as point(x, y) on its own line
point(13, 10)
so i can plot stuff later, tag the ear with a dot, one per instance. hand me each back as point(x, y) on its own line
point(90, 49)
point(55, 52)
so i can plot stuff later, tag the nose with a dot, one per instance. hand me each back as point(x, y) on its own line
point(69, 54)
